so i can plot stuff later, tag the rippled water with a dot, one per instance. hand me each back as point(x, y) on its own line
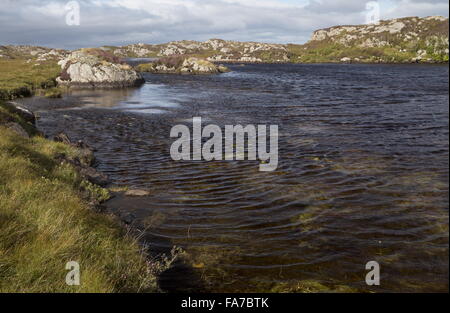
point(363, 174)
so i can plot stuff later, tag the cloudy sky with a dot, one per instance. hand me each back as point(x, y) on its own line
point(120, 22)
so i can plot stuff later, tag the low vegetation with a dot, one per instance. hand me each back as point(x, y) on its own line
point(46, 221)
point(323, 52)
point(102, 55)
point(55, 92)
point(21, 78)
point(403, 40)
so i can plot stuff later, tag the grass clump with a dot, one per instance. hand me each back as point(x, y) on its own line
point(104, 55)
point(46, 222)
point(55, 92)
point(145, 67)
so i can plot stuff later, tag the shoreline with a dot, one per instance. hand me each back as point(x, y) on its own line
point(89, 189)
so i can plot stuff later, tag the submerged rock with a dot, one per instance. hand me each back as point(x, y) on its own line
point(95, 68)
point(137, 193)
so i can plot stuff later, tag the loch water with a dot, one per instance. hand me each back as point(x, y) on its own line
point(362, 174)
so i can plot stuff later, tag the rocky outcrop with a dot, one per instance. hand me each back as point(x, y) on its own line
point(84, 162)
point(93, 68)
point(15, 127)
point(32, 53)
point(21, 111)
point(18, 119)
point(410, 39)
point(214, 50)
point(182, 65)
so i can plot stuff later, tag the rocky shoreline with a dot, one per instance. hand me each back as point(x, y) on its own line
point(84, 163)
point(55, 180)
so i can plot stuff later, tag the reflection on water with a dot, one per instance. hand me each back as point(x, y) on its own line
point(94, 98)
point(363, 174)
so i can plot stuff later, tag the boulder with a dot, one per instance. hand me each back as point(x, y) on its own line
point(17, 129)
point(22, 112)
point(86, 156)
point(196, 65)
point(61, 137)
point(94, 68)
point(93, 176)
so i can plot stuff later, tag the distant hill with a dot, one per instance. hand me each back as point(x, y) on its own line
point(213, 49)
point(402, 40)
point(409, 39)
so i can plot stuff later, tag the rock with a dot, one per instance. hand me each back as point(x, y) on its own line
point(137, 193)
point(128, 218)
point(223, 69)
point(95, 177)
point(17, 129)
point(95, 68)
point(86, 156)
point(61, 137)
point(196, 65)
point(181, 65)
point(346, 60)
point(22, 112)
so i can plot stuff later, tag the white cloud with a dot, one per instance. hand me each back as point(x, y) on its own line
point(156, 21)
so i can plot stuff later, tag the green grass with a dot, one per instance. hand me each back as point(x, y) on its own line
point(324, 52)
point(55, 92)
point(21, 79)
point(145, 67)
point(45, 222)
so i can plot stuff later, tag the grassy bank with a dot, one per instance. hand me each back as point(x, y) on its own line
point(19, 78)
point(326, 52)
point(46, 221)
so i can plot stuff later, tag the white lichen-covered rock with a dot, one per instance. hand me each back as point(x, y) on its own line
point(384, 33)
point(196, 65)
point(90, 68)
point(409, 39)
point(177, 65)
point(218, 49)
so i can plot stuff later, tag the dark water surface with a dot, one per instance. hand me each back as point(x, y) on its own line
point(363, 174)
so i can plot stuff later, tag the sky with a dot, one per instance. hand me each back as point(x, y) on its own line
point(57, 24)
